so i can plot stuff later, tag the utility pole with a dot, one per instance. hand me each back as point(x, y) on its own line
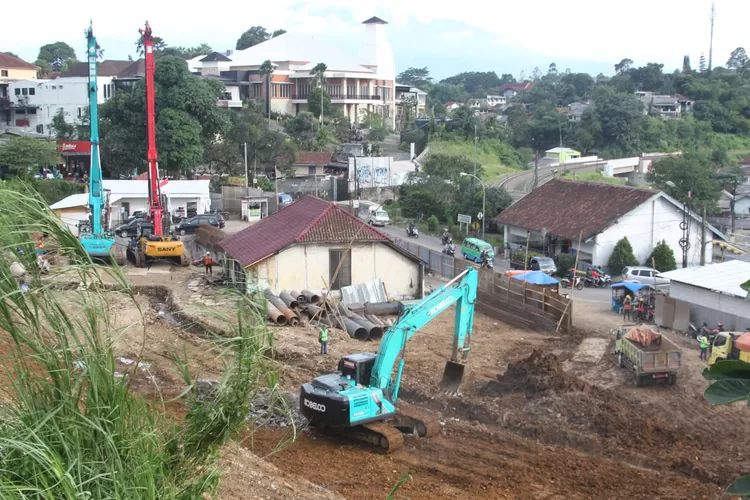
point(536, 169)
point(711, 46)
point(703, 237)
point(247, 179)
point(475, 153)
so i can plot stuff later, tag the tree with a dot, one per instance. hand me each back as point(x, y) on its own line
point(686, 178)
point(662, 258)
point(187, 118)
point(267, 69)
point(536, 74)
point(55, 55)
point(63, 130)
point(417, 77)
point(623, 66)
point(686, 64)
point(318, 95)
point(377, 130)
point(12, 54)
point(187, 52)
point(302, 128)
point(159, 45)
point(476, 83)
point(702, 64)
point(552, 69)
point(318, 74)
point(25, 153)
point(254, 36)
point(648, 77)
point(443, 93)
point(738, 59)
point(622, 256)
point(449, 166)
point(617, 119)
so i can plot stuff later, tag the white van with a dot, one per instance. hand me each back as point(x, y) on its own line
point(376, 216)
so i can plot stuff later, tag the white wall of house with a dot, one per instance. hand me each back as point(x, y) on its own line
point(742, 206)
point(69, 94)
point(301, 267)
point(712, 307)
point(646, 226)
point(71, 217)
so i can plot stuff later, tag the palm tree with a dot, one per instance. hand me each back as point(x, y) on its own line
point(267, 69)
point(319, 80)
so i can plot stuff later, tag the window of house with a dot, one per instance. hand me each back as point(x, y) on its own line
point(3, 72)
point(311, 170)
point(32, 111)
point(24, 91)
point(344, 276)
point(54, 87)
point(59, 86)
point(18, 91)
point(40, 129)
point(20, 111)
point(32, 91)
point(280, 90)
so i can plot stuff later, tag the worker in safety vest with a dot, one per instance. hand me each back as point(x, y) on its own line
point(704, 347)
point(208, 262)
point(627, 307)
point(323, 339)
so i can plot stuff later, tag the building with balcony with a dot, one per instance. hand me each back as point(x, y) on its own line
point(665, 106)
point(11, 68)
point(357, 84)
point(411, 103)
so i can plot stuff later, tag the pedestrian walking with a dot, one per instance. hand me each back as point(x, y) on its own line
point(209, 263)
point(627, 307)
point(323, 339)
point(704, 347)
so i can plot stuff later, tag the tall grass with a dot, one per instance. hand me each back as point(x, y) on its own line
point(70, 428)
point(488, 155)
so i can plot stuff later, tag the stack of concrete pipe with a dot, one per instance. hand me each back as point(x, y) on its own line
point(277, 306)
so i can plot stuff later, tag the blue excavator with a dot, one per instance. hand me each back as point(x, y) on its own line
point(93, 233)
point(360, 399)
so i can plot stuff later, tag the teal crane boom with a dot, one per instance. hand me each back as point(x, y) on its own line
point(364, 391)
point(97, 242)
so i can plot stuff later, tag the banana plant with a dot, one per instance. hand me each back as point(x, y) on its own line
point(730, 384)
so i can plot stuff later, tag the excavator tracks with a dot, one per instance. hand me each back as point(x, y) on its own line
point(411, 420)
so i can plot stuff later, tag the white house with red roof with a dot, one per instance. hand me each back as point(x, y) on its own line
point(302, 246)
point(509, 90)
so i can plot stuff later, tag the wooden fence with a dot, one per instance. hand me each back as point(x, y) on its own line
point(519, 303)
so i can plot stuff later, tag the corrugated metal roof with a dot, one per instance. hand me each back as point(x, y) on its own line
point(368, 292)
point(724, 278)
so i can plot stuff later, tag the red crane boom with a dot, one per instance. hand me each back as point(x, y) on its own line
point(156, 210)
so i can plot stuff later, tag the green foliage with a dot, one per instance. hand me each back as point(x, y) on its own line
point(377, 129)
point(56, 55)
point(51, 190)
point(417, 77)
point(159, 46)
point(73, 430)
point(593, 177)
point(662, 258)
point(622, 256)
point(254, 36)
point(432, 223)
point(691, 173)
point(495, 156)
point(63, 130)
point(314, 102)
point(187, 117)
point(187, 52)
point(564, 262)
point(448, 166)
point(476, 83)
point(25, 153)
point(302, 128)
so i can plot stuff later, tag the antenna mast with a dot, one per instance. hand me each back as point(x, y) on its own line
point(711, 46)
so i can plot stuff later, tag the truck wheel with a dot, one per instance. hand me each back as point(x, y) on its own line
point(638, 380)
point(671, 379)
point(619, 359)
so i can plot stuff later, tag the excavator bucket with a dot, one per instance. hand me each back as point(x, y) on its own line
point(453, 375)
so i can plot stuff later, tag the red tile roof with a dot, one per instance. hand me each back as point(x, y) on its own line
point(308, 220)
point(8, 61)
point(518, 87)
point(568, 208)
point(313, 158)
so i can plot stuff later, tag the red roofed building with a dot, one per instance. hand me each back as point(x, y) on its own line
point(509, 90)
point(302, 245)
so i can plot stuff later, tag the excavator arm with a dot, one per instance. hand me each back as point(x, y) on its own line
point(96, 189)
point(462, 291)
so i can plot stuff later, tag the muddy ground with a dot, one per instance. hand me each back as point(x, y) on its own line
point(539, 416)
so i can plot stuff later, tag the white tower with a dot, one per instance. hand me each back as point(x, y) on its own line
point(377, 53)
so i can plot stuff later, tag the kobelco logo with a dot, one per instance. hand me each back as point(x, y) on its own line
point(441, 305)
point(315, 406)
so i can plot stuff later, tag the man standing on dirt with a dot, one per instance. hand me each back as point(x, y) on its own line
point(627, 306)
point(323, 339)
point(704, 347)
point(209, 263)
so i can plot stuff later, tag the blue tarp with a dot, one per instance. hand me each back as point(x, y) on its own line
point(633, 287)
point(536, 278)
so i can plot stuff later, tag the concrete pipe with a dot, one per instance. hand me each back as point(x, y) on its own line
point(378, 308)
point(311, 298)
point(374, 332)
point(354, 329)
point(315, 311)
point(289, 299)
point(275, 315)
point(291, 316)
point(375, 320)
point(343, 310)
point(301, 299)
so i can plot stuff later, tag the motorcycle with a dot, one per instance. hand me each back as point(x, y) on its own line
point(412, 231)
point(692, 331)
point(604, 280)
point(450, 249)
point(447, 239)
point(589, 282)
point(565, 283)
point(488, 264)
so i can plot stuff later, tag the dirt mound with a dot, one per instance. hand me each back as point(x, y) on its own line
point(535, 376)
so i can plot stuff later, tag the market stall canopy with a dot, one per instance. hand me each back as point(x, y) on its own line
point(536, 278)
point(633, 287)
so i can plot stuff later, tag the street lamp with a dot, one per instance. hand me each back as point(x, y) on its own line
point(481, 219)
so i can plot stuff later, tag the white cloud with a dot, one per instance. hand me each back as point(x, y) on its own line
point(643, 30)
point(457, 34)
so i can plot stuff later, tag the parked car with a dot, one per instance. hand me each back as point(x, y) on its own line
point(645, 275)
point(190, 226)
point(129, 227)
point(138, 214)
point(377, 217)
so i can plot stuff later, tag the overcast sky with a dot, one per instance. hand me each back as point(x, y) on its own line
point(505, 36)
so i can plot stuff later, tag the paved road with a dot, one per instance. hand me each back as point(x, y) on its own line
point(520, 184)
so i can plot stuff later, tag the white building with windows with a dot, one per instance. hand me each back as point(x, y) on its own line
point(36, 102)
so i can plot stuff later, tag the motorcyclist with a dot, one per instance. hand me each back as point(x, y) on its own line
point(446, 236)
point(410, 228)
point(449, 248)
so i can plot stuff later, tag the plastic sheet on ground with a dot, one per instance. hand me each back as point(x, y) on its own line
point(643, 334)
